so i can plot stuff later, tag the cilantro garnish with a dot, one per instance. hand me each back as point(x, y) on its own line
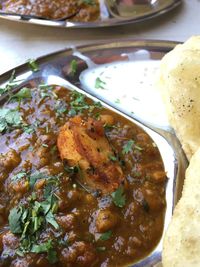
point(113, 158)
point(9, 118)
point(29, 220)
point(105, 236)
point(117, 101)
point(48, 248)
point(99, 84)
point(88, 2)
point(33, 65)
point(18, 176)
point(118, 197)
point(47, 91)
point(10, 85)
point(73, 67)
point(78, 104)
point(29, 129)
point(22, 94)
point(60, 108)
point(15, 220)
point(129, 146)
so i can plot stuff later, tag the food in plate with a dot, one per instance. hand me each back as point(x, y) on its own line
point(179, 82)
point(182, 240)
point(81, 10)
point(56, 145)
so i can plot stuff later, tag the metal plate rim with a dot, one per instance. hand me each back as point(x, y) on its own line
point(98, 24)
point(131, 42)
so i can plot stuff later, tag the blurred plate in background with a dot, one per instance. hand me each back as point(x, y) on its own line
point(111, 12)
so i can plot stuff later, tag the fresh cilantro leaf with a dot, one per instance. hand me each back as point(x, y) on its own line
point(99, 84)
point(40, 248)
point(9, 118)
point(129, 146)
point(29, 129)
point(105, 236)
point(36, 176)
point(113, 158)
point(12, 83)
point(52, 256)
point(30, 221)
point(60, 108)
point(88, 2)
point(33, 65)
point(51, 220)
point(73, 67)
point(15, 220)
point(78, 104)
point(13, 118)
point(22, 94)
point(18, 176)
point(117, 101)
point(118, 197)
point(47, 91)
point(48, 248)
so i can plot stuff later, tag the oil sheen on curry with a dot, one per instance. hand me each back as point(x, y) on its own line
point(81, 10)
point(80, 184)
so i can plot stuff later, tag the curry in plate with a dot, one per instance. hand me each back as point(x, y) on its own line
point(82, 10)
point(80, 184)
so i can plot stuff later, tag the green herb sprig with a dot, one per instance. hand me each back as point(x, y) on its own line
point(119, 198)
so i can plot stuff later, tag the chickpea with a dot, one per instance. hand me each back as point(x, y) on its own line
point(106, 220)
point(67, 222)
point(107, 119)
point(10, 160)
point(159, 176)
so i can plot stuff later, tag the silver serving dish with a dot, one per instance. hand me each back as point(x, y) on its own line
point(112, 12)
point(55, 69)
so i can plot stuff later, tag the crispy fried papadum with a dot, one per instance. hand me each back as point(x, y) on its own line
point(179, 84)
point(84, 144)
point(182, 239)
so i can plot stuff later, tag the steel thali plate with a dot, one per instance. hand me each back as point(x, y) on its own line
point(116, 61)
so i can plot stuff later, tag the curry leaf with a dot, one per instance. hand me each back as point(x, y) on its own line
point(118, 197)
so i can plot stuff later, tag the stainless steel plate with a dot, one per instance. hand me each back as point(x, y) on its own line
point(99, 60)
point(113, 12)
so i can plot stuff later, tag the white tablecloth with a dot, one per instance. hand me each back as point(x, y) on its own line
point(19, 42)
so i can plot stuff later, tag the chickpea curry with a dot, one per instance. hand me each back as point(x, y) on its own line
point(81, 10)
point(80, 184)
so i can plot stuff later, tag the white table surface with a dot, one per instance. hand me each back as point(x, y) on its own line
point(20, 42)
